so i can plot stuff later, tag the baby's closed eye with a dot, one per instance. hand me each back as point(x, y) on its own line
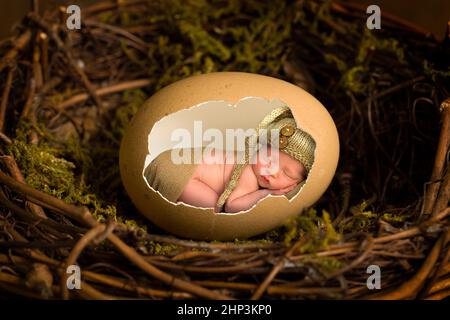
point(291, 176)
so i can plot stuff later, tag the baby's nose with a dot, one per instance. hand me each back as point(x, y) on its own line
point(269, 170)
point(274, 173)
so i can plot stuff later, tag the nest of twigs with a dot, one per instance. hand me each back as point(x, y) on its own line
point(66, 99)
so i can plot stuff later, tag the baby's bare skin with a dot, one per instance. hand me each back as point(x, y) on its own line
point(211, 177)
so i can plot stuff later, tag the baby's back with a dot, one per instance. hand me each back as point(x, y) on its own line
point(215, 169)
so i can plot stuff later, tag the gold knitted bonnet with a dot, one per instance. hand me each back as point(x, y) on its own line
point(292, 140)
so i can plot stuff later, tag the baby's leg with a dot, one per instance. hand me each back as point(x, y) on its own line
point(199, 194)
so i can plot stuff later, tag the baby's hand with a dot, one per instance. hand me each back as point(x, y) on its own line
point(282, 191)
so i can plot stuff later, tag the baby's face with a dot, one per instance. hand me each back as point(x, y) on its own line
point(288, 172)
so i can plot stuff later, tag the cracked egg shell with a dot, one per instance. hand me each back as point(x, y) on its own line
point(223, 100)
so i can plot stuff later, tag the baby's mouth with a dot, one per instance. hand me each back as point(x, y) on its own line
point(264, 178)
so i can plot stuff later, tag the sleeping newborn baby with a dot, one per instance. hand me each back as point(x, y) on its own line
point(220, 180)
point(258, 179)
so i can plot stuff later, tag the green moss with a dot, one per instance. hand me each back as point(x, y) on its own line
point(362, 221)
point(195, 38)
point(42, 169)
point(132, 100)
point(106, 17)
point(366, 220)
point(340, 64)
point(356, 67)
point(159, 249)
point(317, 231)
point(131, 54)
point(202, 41)
point(370, 42)
point(394, 219)
point(430, 69)
point(69, 91)
point(45, 168)
point(66, 170)
point(354, 80)
point(154, 248)
point(325, 265)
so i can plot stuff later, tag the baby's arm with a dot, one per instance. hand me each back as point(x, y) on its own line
point(246, 201)
point(199, 194)
point(246, 193)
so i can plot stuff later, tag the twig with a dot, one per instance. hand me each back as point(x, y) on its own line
point(106, 90)
point(83, 215)
point(80, 214)
point(345, 183)
point(410, 288)
point(99, 278)
point(29, 100)
point(14, 170)
point(439, 285)
point(368, 247)
point(5, 97)
point(202, 269)
point(35, 244)
point(443, 197)
point(43, 40)
point(76, 251)
point(138, 42)
point(37, 68)
point(120, 284)
point(430, 288)
point(439, 295)
point(20, 44)
point(89, 292)
point(439, 160)
point(21, 291)
point(5, 138)
point(263, 286)
point(392, 19)
point(35, 6)
point(201, 244)
point(75, 66)
point(177, 283)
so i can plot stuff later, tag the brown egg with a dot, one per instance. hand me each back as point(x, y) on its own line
point(220, 101)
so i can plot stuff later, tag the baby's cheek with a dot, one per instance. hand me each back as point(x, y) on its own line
point(279, 184)
point(288, 183)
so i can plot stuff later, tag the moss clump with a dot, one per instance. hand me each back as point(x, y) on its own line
point(355, 67)
point(155, 248)
point(197, 36)
point(74, 171)
point(365, 220)
point(131, 101)
point(430, 69)
point(45, 168)
point(340, 64)
point(317, 231)
point(325, 265)
point(355, 79)
point(370, 42)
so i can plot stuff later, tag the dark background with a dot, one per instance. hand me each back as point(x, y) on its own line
point(431, 15)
